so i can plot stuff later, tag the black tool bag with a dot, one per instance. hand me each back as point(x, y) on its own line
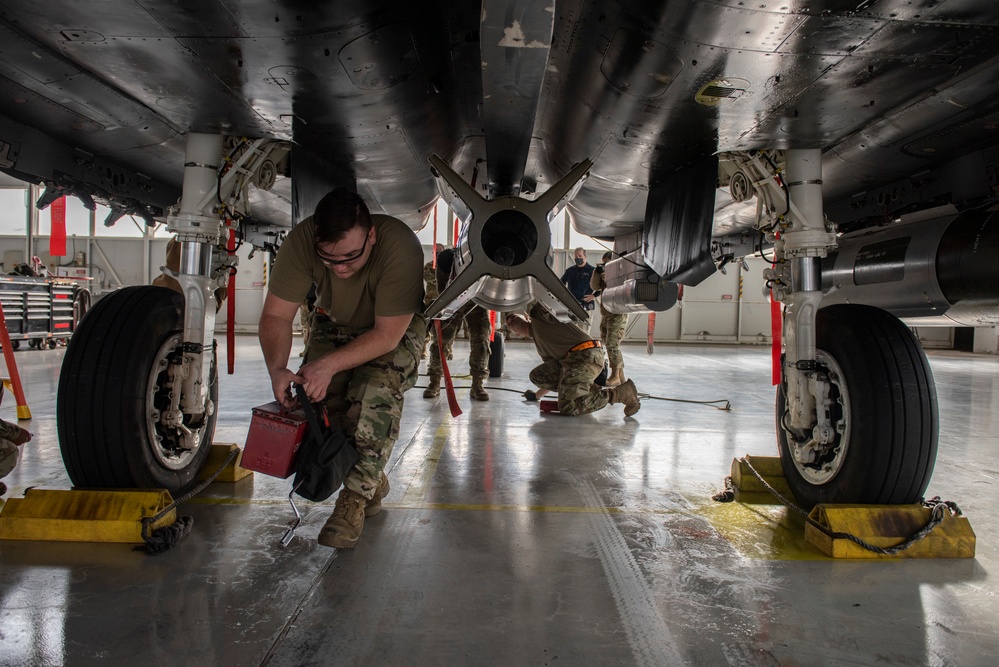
point(325, 456)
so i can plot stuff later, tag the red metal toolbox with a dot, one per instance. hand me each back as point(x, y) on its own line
point(273, 440)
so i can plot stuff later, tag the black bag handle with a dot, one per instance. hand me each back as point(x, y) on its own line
point(315, 428)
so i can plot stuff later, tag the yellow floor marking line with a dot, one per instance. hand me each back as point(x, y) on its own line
point(207, 500)
point(548, 509)
point(460, 507)
point(417, 489)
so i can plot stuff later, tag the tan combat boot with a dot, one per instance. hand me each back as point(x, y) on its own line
point(478, 392)
point(346, 523)
point(617, 377)
point(433, 386)
point(374, 506)
point(626, 393)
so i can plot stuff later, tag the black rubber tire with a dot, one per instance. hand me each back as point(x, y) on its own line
point(102, 399)
point(894, 425)
point(15, 344)
point(496, 355)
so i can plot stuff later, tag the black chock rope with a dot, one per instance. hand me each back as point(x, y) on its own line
point(937, 507)
point(464, 386)
point(711, 404)
point(166, 538)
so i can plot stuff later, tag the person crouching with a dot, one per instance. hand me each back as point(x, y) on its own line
point(571, 363)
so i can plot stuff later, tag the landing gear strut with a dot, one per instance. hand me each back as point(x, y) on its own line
point(856, 411)
point(139, 384)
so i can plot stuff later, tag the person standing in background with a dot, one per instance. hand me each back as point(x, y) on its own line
point(577, 279)
point(612, 325)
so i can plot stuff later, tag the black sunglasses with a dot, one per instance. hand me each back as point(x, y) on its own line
point(338, 262)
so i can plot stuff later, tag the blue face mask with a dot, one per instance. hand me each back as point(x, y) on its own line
point(580, 261)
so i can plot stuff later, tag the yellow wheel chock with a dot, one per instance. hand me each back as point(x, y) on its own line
point(835, 530)
point(85, 515)
point(216, 457)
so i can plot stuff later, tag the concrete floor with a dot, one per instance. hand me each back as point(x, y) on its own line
point(517, 538)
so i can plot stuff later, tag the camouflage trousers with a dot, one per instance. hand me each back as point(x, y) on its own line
point(8, 450)
point(572, 378)
point(9, 431)
point(476, 320)
point(305, 319)
point(612, 327)
point(366, 402)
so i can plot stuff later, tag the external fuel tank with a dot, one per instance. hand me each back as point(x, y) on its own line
point(938, 268)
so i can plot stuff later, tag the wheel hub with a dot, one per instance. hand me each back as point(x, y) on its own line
point(819, 455)
point(173, 435)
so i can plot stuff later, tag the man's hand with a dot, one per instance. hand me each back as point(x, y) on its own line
point(383, 338)
point(316, 377)
point(281, 381)
point(274, 332)
point(518, 325)
point(588, 298)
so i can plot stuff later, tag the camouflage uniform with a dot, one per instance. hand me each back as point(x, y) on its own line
point(9, 431)
point(573, 378)
point(476, 319)
point(430, 280)
point(367, 401)
point(612, 328)
point(570, 373)
point(8, 457)
point(11, 436)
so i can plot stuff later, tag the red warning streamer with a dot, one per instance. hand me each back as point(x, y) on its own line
point(775, 334)
point(57, 240)
point(230, 325)
point(433, 252)
point(452, 400)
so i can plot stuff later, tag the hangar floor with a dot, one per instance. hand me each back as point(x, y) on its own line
point(517, 538)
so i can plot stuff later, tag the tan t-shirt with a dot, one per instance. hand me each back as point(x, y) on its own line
point(552, 338)
point(389, 284)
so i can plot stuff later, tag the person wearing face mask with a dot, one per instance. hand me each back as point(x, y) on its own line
point(577, 279)
point(367, 333)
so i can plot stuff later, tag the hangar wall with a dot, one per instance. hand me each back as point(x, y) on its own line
point(725, 308)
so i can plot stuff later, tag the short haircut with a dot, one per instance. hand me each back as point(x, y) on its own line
point(579, 249)
point(339, 212)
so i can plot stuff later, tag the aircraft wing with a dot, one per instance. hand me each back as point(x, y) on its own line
point(512, 95)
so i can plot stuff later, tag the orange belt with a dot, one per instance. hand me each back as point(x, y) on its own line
point(585, 346)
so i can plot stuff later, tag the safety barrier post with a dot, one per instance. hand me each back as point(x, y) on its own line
point(23, 412)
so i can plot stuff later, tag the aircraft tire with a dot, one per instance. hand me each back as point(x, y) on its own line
point(885, 401)
point(108, 392)
point(496, 356)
